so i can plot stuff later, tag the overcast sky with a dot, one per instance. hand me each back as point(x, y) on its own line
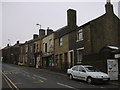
point(19, 19)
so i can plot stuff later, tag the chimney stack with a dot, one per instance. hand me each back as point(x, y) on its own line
point(8, 45)
point(41, 32)
point(109, 7)
point(71, 17)
point(35, 36)
point(49, 31)
point(17, 42)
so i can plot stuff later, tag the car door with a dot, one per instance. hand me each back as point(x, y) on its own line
point(75, 71)
point(82, 73)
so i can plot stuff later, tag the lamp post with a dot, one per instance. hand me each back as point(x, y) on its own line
point(9, 42)
point(39, 25)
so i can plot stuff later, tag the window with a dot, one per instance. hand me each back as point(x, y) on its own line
point(75, 68)
point(56, 58)
point(79, 56)
point(61, 58)
point(26, 48)
point(31, 48)
point(50, 42)
point(80, 35)
point(45, 47)
point(61, 42)
point(81, 69)
point(37, 47)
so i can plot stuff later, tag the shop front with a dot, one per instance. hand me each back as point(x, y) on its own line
point(48, 60)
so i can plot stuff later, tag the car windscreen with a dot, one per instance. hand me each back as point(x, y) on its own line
point(92, 69)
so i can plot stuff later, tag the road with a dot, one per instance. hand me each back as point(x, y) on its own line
point(18, 77)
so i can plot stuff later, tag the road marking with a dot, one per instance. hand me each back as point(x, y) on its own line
point(25, 72)
point(28, 75)
point(7, 82)
point(40, 81)
point(40, 77)
point(66, 85)
point(33, 78)
point(10, 81)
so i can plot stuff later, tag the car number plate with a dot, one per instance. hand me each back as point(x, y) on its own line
point(105, 79)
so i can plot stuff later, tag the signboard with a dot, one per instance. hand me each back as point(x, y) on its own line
point(112, 65)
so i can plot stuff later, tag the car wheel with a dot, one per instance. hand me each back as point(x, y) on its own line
point(89, 80)
point(70, 77)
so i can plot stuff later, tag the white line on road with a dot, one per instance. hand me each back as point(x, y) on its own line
point(39, 77)
point(66, 86)
point(28, 75)
point(33, 78)
point(42, 78)
point(25, 72)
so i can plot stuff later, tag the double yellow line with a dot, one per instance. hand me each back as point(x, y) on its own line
point(9, 82)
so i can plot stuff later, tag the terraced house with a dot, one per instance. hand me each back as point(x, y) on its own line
point(88, 40)
point(10, 53)
point(23, 56)
point(47, 45)
point(91, 43)
point(62, 41)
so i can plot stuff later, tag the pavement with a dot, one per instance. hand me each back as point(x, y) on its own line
point(115, 82)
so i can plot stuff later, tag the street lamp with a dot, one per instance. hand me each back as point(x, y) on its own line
point(39, 25)
point(9, 42)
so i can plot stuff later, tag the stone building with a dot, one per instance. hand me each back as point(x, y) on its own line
point(47, 45)
point(10, 54)
point(34, 48)
point(23, 56)
point(89, 39)
point(62, 41)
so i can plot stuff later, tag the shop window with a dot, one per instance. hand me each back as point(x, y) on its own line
point(56, 59)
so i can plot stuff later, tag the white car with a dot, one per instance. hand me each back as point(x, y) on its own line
point(87, 73)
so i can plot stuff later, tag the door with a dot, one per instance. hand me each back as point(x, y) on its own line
point(71, 57)
point(82, 73)
point(112, 69)
point(66, 60)
point(75, 72)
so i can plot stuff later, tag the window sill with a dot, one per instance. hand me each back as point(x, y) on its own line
point(79, 40)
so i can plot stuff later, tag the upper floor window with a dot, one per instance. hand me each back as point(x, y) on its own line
point(61, 41)
point(50, 42)
point(31, 48)
point(45, 47)
point(26, 48)
point(80, 35)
